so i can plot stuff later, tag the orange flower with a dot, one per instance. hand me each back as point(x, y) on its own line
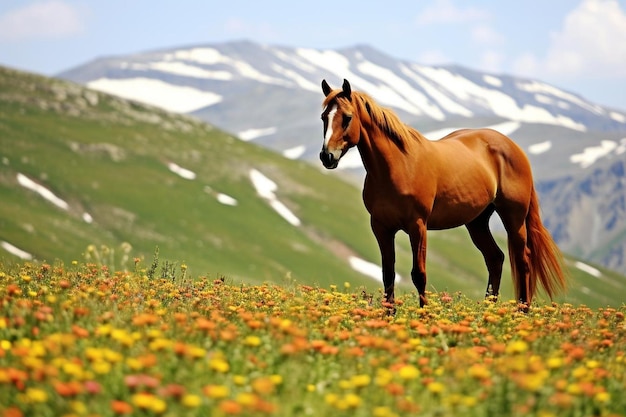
point(231, 407)
point(68, 389)
point(121, 407)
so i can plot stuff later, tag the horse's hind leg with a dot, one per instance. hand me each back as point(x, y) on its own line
point(494, 257)
point(519, 253)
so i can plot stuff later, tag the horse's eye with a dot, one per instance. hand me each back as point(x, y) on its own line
point(345, 121)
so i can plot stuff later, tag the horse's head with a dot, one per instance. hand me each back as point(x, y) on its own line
point(341, 131)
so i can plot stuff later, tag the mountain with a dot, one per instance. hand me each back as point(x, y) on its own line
point(271, 95)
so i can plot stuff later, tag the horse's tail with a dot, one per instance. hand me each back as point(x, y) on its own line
point(545, 258)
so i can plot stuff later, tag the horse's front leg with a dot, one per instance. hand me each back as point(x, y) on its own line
point(386, 243)
point(417, 236)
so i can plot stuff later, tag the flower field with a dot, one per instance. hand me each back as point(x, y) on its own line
point(83, 340)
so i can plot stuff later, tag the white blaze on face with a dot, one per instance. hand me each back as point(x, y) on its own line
point(329, 125)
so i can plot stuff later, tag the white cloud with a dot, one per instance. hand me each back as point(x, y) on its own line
point(444, 11)
point(590, 43)
point(42, 19)
point(486, 35)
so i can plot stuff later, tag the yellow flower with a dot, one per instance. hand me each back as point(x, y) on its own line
point(517, 346)
point(134, 364)
point(331, 398)
point(359, 381)
point(36, 395)
point(216, 391)
point(469, 401)
point(79, 407)
point(351, 400)
point(436, 387)
point(602, 397)
point(191, 401)
point(101, 367)
point(143, 400)
point(219, 365)
point(252, 341)
point(409, 372)
point(479, 372)
point(246, 399)
point(382, 411)
point(240, 380)
point(554, 363)
point(158, 405)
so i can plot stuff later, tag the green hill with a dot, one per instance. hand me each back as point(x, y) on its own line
point(128, 178)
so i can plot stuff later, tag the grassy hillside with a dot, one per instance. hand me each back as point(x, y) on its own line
point(109, 160)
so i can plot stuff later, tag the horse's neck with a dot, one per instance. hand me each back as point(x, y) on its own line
point(381, 155)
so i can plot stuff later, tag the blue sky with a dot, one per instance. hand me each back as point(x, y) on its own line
point(578, 45)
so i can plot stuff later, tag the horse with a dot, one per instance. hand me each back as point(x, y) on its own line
point(414, 185)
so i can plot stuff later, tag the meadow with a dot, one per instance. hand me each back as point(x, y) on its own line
point(84, 339)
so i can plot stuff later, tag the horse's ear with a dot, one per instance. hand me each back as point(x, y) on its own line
point(347, 90)
point(326, 88)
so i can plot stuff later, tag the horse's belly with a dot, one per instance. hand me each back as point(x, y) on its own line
point(450, 214)
point(451, 220)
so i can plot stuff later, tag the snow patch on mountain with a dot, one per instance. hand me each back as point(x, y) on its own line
point(266, 189)
point(48, 195)
point(15, 251)
point(539, 148)
point(250, 134)
point(181, 172)
point(158, 93)
point(592, 153)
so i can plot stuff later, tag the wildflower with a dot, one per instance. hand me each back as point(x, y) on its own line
point(262, 385)
point(478, 371)
point(383, 377)
point(148, 401)
point(409, 372)
point(240, 380)
point(554, 362)
point(252, 341)
point(602, 397)
point(78, 407)
point(36, 395)
point(516, 347)
point(436, 387)
point(230, 407)
point(382, 412)
point(101, 367)
point(351, 400)
point(191, 401)
point(247, 399)
point(216, 391)
point(359, 381)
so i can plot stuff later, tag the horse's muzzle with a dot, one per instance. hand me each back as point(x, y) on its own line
point(328, 160)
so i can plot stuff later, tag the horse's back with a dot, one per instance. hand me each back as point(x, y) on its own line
point(492, 145)
point(484, 166)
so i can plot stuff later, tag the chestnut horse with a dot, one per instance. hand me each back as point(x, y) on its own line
point(413, 184)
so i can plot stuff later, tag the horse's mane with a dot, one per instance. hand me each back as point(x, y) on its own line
point(383, 118)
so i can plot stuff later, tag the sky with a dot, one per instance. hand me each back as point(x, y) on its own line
point(577, 45)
